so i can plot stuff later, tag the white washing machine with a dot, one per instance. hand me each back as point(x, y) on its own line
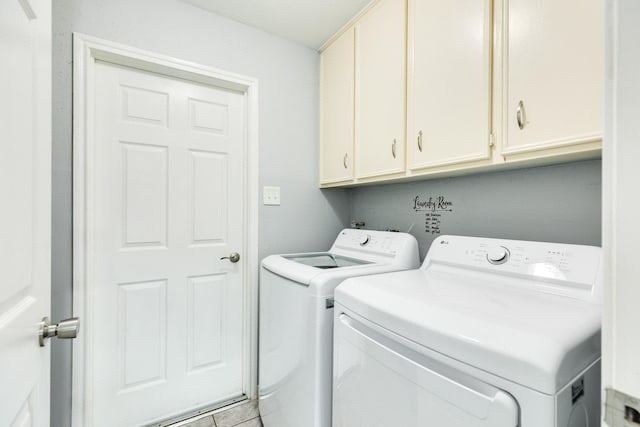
point(487, 332)
point(296, 320)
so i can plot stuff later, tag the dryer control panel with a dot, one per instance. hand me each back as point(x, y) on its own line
point(572, 268)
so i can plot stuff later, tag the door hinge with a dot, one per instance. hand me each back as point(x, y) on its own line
point(491, 140)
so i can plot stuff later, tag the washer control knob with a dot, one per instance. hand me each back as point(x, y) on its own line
point(498, 255)
point(365, 239)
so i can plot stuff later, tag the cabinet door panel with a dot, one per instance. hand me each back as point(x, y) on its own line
point(337, 110)
point(449, 86)
point(380, 90)
point(553, 65)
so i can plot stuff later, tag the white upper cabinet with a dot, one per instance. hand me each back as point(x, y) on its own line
point(552, 76)
point(380, 90)
point(337, 110)
point(463, 85)
point(449, 82)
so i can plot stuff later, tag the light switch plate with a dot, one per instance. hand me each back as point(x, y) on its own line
point(271, 196)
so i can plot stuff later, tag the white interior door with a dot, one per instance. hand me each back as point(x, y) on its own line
point(25, 213)
point(165, 332)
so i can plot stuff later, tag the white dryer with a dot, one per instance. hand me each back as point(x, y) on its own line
point(296, 320)
point(487, 332)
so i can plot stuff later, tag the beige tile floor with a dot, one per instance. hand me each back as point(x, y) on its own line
point(243, 415)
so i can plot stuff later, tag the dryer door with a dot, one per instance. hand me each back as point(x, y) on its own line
point(381, 381)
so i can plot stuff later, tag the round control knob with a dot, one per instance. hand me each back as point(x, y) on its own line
point(364, 239)
point(498, 255)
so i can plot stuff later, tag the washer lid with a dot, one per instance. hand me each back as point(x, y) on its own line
point(304, 267)
point(320, 281)
point(325, 260)
point(537, 339)
point(354, 252)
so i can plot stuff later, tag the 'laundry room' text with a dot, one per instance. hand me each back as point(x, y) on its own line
point(433, 204)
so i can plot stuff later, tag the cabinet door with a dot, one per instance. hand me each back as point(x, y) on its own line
point(553, 74)
point(449, 82)
point(380, 90)
point(336, 110)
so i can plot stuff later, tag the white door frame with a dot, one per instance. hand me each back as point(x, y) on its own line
point(86, 50)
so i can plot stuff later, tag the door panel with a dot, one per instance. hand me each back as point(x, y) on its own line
point(168, 314)
point(25, 216)
point(207, 330)
point(142, 341)
point(145, 195)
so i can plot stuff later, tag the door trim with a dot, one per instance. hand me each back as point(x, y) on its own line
point(86, 51)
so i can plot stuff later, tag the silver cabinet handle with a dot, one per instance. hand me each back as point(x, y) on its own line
point(420, 141)
point(344, 160)
point(233, 257)
point(521, 115)
point(66, 329)
point(393, 148)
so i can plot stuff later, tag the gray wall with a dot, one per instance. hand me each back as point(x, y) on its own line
point(288, 103)
point(560, 203)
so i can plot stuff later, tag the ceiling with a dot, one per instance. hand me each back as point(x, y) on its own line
point(309, 22)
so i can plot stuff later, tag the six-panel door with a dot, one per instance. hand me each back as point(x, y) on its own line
point(166, 315)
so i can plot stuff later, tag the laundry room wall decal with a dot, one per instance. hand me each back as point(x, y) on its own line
point(434, 208)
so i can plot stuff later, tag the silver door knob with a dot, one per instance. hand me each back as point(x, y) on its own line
point(66, 329)
point(233, 257)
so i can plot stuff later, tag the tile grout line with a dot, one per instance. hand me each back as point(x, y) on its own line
point(247, 420)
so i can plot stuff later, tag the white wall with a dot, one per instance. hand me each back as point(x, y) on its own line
point(621, 200)
point(288, 95)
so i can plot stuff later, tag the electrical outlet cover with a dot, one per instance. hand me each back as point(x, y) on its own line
point(271, 196)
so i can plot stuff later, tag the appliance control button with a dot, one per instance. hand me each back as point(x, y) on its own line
point(498, 255)
point(365, 239)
